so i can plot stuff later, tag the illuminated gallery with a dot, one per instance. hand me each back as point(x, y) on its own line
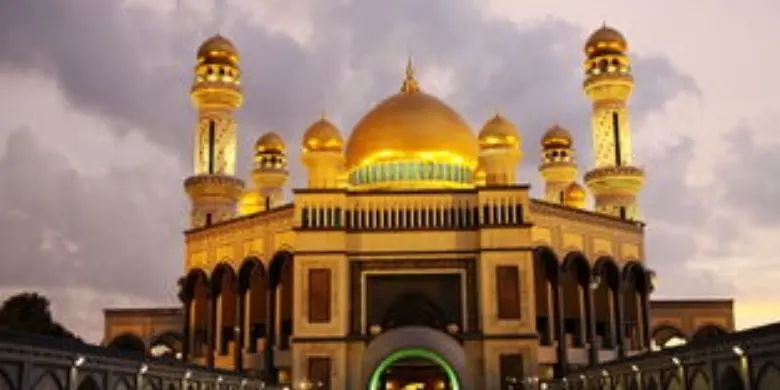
point(415, 258)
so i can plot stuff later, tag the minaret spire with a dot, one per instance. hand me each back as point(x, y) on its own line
point(410, 84)
point(615, 181)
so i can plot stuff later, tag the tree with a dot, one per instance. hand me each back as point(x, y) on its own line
point(31, 313)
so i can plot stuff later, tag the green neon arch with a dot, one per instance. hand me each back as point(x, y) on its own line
point(395, 357)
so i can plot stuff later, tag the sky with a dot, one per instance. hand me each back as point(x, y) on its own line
point(96, 126)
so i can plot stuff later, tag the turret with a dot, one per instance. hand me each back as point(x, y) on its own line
point(270, 173)
point(499, 152)
point(575, 196)
point(558, 166)
point(323, 154)
point(216, 93)
point(614, 181)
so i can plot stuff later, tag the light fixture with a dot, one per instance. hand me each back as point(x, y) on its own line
point(219, 379)
point(79, 361)
point(188, 374)
point(143, 369)
point(634, 368)
point(676, 361)
point(739, 351)
point(604, 373)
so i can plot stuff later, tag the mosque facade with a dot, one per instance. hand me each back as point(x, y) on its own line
point(415, 258)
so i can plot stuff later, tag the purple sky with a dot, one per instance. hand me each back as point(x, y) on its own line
point(96, 127)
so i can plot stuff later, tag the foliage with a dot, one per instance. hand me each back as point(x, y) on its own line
point(31, 313)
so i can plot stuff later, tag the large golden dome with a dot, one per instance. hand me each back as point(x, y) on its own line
point(412, 127)
point(218, 48)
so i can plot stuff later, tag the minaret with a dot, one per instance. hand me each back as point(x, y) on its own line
point(499, 151)
point(216, 93)
point(614, 181)
point(323, 154)
point(558, 166)
point(270, 173)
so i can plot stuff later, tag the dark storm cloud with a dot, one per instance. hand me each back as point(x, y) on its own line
point(133, 67)
point(66, 230)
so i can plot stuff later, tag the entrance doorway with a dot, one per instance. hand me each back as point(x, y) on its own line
point(414, 369)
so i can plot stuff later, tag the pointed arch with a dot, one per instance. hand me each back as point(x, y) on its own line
point(122, 384)
point(673, 382)
point(281, 286)
point(197, 296)
point(224, 287)
point(88, 383)
point(253, 287)
point(128, 342)
point(605, 281)
point(5, 381)
point(546, 275)
point(223, 274)
point(634, 274)
point(251, 267)
point(48, 381)
point(575, 287)
point(634, 294)
point(730, 379)
point(195, 277)
point(768, 376)
point(652, 384)
point(699, 380)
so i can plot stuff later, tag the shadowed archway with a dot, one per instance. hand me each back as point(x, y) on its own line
point(606, 279)
point(768, 377)
point(128, 342)
point(88, 383)
point(577, 303)
point(708, 332)
point(415, 310)
point(635, 294)
point(196, 297)
point(280, 280)
point(224, 289)
point(730, 379)
point(253, 290)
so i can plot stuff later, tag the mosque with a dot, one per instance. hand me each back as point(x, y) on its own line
point(415, 258)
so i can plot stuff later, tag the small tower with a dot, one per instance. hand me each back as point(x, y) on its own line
point(216, 93)
point(558, 166)
point(575, 196)
point(323, 154)
point(499, 151)
point(270, 169)
point(614, 181)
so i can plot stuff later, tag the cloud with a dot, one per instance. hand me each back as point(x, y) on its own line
point(118, 229)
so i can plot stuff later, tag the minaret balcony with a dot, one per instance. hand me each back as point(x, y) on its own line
point(610, 178)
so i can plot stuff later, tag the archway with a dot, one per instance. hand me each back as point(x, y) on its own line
point(281, 285)
point(546, 279)
point(128, 342)
point(576, 302)
point(606, 279)
point(668, 336)
point(730, 379)
point(429, 347)
point(768, 377)
point(377, 382)
point(708, 332)
point(634, 298)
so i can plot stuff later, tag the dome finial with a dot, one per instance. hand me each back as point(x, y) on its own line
point(323, 113)
point(410, 84)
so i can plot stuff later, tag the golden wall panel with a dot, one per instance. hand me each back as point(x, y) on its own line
point(573, 242)
point(254, 247)
point(225, 253)
point(198, 259)
point(541, 236)
point(284, 239)
point(602, 247)
point(630, 251)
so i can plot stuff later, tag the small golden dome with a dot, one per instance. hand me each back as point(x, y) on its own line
point(270, 142)
point(606, 38)
point(499, 132)
point(218, 46)
point(250, 202)
point(324, 136)
point(412, 126)
point(574, 195)
point(556, 137)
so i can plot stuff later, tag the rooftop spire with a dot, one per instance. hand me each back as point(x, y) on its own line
point(410, 84)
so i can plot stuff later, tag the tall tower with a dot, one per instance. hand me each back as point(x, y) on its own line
point(614, 181)
point(270, 171)
point(499, 151)
point(558, 166)
point(216, 93)
point(323, 154)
